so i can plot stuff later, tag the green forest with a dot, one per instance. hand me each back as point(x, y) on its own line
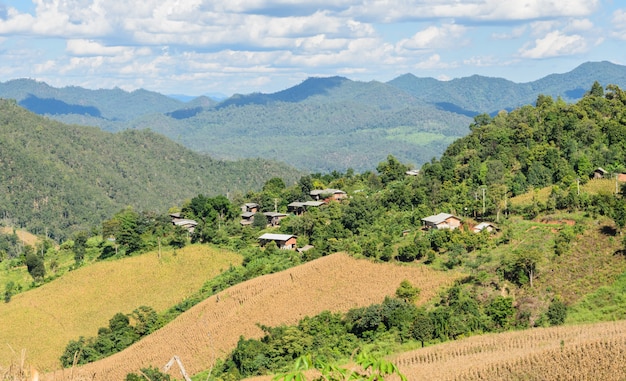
point(56, 179)
point(514, 276)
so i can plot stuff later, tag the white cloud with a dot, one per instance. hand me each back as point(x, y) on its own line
point(618, 20)
point(555, 44)
point(92, 48)
point(515, 33)
point(433, 62)
point(477, 10)
point(435, 37)
point(579, 25)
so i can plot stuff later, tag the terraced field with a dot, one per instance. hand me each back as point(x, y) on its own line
point(211, 329)
point(43, 320)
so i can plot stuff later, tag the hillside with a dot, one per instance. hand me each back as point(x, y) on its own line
point(212, 328)
point(43, 320)
point(321, 124)
point(580, 352)
point(59, 178)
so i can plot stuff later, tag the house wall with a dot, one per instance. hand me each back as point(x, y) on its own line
point(453, 223)
point(289, 244)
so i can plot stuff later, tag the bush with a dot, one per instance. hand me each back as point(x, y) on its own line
point(557, 312)
point(152, 374)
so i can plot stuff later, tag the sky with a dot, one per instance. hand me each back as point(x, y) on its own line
point(196, 47)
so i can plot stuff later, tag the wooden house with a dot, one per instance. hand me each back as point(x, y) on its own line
point(327, 195)
point(299, 207)
point(250, 207)
point(283, 241)
point(484, 226)
point(442, 221)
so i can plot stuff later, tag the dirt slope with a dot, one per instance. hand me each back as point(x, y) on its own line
point(211, 329)
point(43, 320)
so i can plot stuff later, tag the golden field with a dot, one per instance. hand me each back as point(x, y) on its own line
point(43, 320)
point(583, 352)
point(212, 328)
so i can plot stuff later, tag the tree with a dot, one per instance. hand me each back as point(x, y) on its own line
point(274, 186)
point(422, 328)
point(500, 310)
point(35, 266)
point(259, 221)
point(407, 292)
point(557, 312)
point(9, 289)
point(80, 244)
point(596, 90)
point(391, 170)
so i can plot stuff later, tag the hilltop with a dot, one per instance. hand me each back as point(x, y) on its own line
point(321, 124)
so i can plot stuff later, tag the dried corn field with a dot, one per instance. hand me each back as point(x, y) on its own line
point(43, 320)
point(582, 352)
point(212, 328)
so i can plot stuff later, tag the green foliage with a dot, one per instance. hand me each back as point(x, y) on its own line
point(123, 331)
point(9, 290)
point(407, 292)
point(64, 185)
point(35, 264)
point(501, 311)
point(150, 373)
point(557, 312)
point(372, 368)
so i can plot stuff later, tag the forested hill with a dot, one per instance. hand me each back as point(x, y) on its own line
point(321, 124)
point(477, 94)
point(533, 147)
point(64, 177)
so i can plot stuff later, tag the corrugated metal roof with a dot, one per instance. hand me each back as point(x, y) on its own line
point(276, 237)
point(438, 218)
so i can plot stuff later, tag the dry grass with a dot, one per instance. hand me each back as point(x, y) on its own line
point(583, 352)
point(45, 319)
point(211, 329)
point(593, 186)
point(24, 236)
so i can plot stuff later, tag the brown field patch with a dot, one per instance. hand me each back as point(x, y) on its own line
point(211, 329)
point(582, 352)
point(43, 320)
point(24, 236)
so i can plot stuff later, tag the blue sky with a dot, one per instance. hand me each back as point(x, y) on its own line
point(198, 47)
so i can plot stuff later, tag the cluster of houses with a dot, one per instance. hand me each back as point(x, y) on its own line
point(321, 197)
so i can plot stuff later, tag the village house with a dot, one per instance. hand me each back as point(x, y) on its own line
point(250, 207)
point(273, 218)
point(247, 218)
point(298, 208)
point(327, 195)
point(599, 173)
point(442, 221)
point(484, 226)
point(283, 241)
point(187, 224)
point(412, 172)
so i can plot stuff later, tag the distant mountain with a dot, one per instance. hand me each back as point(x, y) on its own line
point(321, 124)
point(477, 94)
point(114, 104)
point(61, 177)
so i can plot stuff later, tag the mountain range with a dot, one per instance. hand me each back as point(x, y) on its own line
point(321, 124)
